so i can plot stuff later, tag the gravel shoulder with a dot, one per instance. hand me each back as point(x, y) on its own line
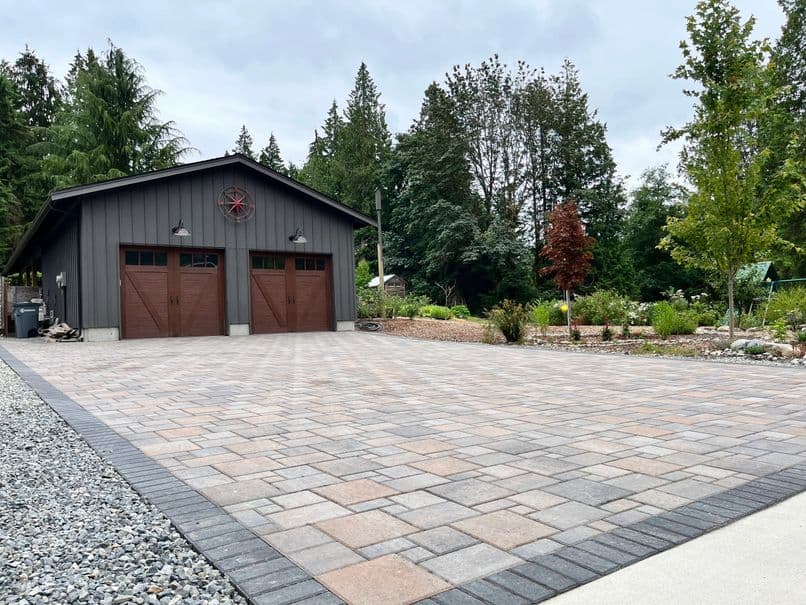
point(73, 531)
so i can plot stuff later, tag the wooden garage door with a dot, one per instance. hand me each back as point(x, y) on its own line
point(269, 296)
point(311, 299)
point(171, 293)
point(290, 293)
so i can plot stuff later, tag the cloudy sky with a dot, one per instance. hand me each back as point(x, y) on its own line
point(276, 65)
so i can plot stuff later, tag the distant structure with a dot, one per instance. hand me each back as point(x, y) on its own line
point(393, 285)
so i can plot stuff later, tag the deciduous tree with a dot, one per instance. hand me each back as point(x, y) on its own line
point(568, 250)
point(732, 216)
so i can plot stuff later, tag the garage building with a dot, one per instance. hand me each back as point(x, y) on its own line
point(221, 246)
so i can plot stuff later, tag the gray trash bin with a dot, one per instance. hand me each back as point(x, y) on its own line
point(26, 319)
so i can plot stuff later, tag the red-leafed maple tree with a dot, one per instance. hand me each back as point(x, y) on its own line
point(568, 249)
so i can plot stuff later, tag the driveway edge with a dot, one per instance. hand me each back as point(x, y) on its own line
point(259, 572)
point(569, 567)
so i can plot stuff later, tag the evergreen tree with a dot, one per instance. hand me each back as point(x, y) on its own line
point(15, 136)
point(243, 144)
point(108, 127)
point(585, 171)
point(39, 93)
point(784, 126)
point(270, 156)
point(655, 199)
point(537, 115)
point(322, 170)
point(364, 145)
point(433, 211)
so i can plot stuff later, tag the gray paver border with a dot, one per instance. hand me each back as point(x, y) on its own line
point(263, 575)
point(546, 576)
point(259, 572)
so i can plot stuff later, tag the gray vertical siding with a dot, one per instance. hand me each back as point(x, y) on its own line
point(144, 214)
point(61, 256)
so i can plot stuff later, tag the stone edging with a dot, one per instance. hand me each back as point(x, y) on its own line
point(545, 576)
point(258, 571)
point(266, 577)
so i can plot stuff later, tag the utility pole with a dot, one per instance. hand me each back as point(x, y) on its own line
point(381, 284)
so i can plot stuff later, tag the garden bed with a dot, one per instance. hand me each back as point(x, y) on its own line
point(706, 343)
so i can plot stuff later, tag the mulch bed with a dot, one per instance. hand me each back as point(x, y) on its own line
point(461, 330)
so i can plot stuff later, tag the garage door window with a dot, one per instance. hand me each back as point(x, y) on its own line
point(309, 264)
point(187, 259)
point(268, 261)
point(146, 258)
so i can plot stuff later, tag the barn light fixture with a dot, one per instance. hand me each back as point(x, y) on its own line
point(297, 237)
point(180, 230)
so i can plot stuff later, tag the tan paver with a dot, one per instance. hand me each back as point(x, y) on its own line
point(504, 529)
point(391, 580)
point(426, 446)
point(359, 490)
point(366, 528)
point(239, 491)
point(247, 466)
point(445, 466)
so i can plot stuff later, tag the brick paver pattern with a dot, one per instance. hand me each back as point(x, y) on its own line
point(393, 469)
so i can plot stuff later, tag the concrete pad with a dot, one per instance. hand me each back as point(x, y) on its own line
point(759, 559)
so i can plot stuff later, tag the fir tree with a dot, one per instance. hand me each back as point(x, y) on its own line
point(39, 94)
point(15, 136)
point(243, 144)
point(270, 156)
point(108, 127)
point(364, 144)
point(321, 170)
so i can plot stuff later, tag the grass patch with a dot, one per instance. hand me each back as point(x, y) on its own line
point(649, 348)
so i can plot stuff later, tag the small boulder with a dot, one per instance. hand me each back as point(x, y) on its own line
point(781, 350)
point(739, 345)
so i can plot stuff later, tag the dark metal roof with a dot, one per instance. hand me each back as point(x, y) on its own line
point(359, 218)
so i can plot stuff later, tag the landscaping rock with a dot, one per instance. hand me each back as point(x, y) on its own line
point(739, 345)
point(74, 531)
point(781, 350)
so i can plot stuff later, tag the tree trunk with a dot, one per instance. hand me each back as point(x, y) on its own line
point(568, 313)
point(731, 317)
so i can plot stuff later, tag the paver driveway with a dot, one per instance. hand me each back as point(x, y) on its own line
point(391, 469)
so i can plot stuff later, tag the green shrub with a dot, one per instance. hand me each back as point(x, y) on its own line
point(511, 318)
point(368, 303)
point(411, 305)
point(666, 320)
point(435, 312)
point(362, 275)
point(541, 316)
point(460, 311)
point(779, 329)
point(601, 305)
point(754, 349)
point(789, 303)
point(749, 320)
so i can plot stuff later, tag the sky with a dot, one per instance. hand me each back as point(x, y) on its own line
point(277, 65)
